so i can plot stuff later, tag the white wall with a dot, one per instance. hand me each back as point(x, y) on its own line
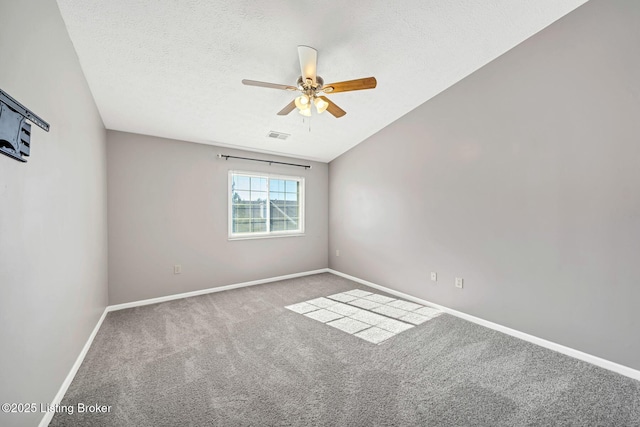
point(522, 179)
point(53, 224)
point(168, 205)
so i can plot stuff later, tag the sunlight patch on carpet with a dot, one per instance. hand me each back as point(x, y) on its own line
point(368, 316)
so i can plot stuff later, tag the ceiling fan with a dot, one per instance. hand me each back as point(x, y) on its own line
point(313, 88)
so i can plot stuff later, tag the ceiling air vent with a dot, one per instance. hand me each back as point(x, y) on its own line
point(278, 135)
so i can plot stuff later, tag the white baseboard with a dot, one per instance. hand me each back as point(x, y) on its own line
point(212, 290)
point(74, 369)
point(72, 373)
point(595, 360)
point(603, 363)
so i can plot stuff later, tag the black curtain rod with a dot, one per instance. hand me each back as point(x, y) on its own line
point(220, 156)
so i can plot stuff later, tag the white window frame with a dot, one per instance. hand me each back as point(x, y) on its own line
point(267, 234)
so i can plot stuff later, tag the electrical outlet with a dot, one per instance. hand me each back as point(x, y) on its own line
point(177, 269)
point(434, 276)
point(337, 252)
point(459, 282)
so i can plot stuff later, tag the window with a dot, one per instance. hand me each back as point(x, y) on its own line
point(264, 205)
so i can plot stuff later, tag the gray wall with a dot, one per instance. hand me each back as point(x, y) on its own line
point(522, 179)
point(168, 205)
point(53, 224)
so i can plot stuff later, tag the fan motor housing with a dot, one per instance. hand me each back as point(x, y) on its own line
point(303, 85)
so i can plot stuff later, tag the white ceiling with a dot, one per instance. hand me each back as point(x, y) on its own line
point(173, 68)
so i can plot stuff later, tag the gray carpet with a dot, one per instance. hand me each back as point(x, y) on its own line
point(239, 358)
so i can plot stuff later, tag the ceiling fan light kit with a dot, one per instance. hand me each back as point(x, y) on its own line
point(305, 112)
point(304, 105)
point(302, 102)
point(313, 88)
point(321, 105)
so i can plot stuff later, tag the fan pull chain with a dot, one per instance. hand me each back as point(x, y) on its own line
point(303, 122)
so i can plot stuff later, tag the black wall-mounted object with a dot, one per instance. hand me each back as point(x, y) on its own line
point(15, 132)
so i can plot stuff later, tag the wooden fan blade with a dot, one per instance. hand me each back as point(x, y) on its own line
point(269, 85)
point(289, 108)
point(336, 111)
point(308, 62)
point(358, 84)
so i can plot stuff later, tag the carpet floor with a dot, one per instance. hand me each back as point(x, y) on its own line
point(239, 358)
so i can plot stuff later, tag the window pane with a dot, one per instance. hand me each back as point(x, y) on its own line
point(259, 226)
point(258, 184)
point(240, 196)
point(258, 196)
point(254, 209)
point(241, 182)
point(277, 225)
point(241, 226)
point(259, 210)
point(276, 196)
point(292, 225)
point(278, 209)
point(241, 211)
point(291, 196)
point(291, 186)
point(276, 185)
point(291, 211)
point(276, 213)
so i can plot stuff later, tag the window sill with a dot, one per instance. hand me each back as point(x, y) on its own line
point(269, 236)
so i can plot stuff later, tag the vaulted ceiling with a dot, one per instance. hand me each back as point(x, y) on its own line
point(174, 68)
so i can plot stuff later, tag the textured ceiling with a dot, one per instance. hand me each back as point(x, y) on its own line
point(174, 68)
